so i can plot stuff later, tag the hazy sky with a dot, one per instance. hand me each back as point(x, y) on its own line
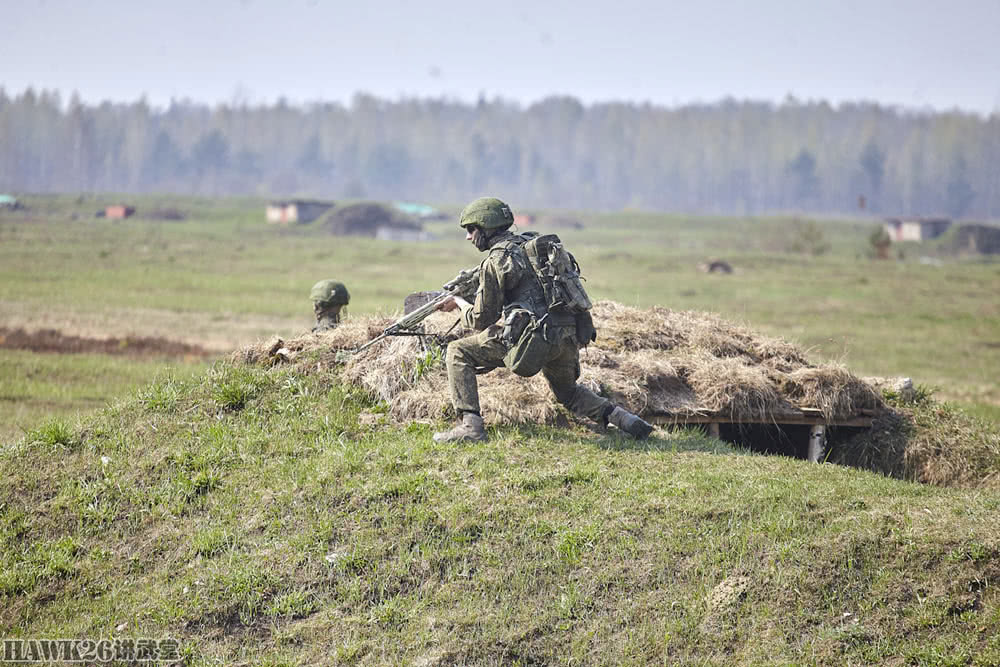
point(919, 53)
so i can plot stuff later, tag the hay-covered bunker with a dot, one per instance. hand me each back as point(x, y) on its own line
point(671, 367)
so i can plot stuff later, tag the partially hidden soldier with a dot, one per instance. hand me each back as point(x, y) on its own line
point(328, 297)
point(531, 336)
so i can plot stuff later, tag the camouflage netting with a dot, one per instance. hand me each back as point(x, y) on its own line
point(654, 361)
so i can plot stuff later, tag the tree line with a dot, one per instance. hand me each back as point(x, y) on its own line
point(732, 157)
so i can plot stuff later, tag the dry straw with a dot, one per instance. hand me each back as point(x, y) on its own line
point(655, 361)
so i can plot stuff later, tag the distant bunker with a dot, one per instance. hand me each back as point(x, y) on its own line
point(374, 220)
point(977, 239)
point(296, 210)
point(671, 367)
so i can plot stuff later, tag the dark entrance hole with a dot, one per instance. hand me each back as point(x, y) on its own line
point(784, 439)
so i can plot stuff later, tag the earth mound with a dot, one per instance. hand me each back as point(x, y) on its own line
point(560, 222)
point(369, 219)
point(981, 239)
point(656, 361)
point(674, 364)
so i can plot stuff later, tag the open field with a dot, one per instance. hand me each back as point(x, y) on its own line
point(223, 278)
point(263, 515)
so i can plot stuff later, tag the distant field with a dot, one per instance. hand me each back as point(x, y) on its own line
point(223, 277)
point(35, 387)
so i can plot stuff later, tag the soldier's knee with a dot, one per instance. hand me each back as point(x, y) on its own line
point(451, 356)
point(456, 353)
point(565, 395)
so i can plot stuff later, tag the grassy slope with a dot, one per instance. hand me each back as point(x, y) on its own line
point(265, 517)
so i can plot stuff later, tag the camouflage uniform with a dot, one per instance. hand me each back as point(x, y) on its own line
point(327, 320)
point(508, 283)
point(507, 280)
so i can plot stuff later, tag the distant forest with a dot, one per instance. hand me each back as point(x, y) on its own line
point(731, 157)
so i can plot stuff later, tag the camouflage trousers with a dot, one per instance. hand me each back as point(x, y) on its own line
point(485, 351)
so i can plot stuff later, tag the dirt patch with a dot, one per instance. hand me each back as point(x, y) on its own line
point(219, 332)
point(722, 602)
point(51, 340)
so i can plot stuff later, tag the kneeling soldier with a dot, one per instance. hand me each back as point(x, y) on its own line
point(507, 283)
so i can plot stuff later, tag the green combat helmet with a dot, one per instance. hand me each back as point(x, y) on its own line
point(488, 213)
point(328, 297)
point(330, 293)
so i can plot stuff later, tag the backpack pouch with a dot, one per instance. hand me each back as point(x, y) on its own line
point(527, 356)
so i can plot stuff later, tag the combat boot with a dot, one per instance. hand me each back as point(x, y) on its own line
point(632, 424)
point(470, 429)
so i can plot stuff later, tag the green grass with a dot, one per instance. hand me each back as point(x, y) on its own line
point(282, 529)
point(41, 387)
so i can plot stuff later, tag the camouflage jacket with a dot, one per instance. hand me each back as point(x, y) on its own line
point(506, 280)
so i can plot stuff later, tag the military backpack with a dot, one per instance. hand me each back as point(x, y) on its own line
point(557, 271)
point(566, 302)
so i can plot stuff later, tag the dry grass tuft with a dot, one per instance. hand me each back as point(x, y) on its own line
point(625, 328)
point(832, 389)
point(655, 361)
point(731, 386)
point(929, 442)
point(646, 380)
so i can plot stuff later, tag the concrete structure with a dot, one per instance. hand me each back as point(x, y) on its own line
point(916, 229)
point(297, 210)
point(118, 212)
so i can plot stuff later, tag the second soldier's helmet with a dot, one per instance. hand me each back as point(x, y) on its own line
point(488, 213)
point(328, 293)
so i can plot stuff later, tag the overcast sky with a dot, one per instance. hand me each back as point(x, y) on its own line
point(941, 54)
